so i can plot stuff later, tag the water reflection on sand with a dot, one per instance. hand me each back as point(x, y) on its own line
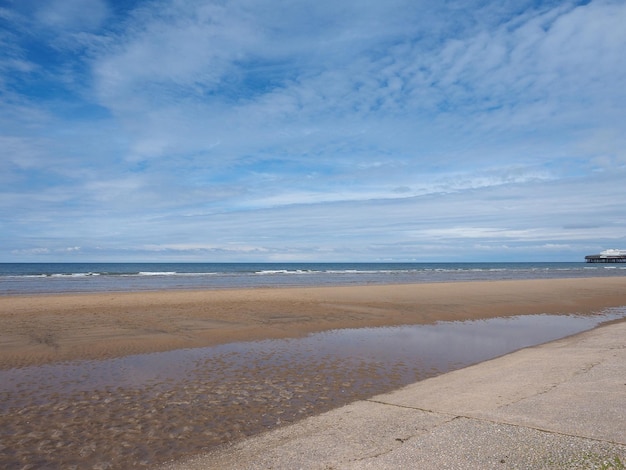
point(140, 410)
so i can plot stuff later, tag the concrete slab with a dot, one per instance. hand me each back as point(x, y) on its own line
point(466, 443)
point(360, 430)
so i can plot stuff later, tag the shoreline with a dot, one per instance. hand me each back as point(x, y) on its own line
point(45, 328)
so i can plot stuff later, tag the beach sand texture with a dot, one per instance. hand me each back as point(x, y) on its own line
point(48, 328)
point(143, 426)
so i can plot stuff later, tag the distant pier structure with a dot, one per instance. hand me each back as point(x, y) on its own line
point(607, 256)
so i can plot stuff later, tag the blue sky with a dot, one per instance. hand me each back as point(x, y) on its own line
point(196, 130)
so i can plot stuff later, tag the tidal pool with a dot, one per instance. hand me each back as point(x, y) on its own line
point(141, 410)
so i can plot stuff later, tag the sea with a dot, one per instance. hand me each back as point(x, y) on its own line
point(51, 278)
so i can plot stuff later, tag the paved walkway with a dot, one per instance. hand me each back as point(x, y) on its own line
point(561, 405)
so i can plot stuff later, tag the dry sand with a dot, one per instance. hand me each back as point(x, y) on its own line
point(48, 328)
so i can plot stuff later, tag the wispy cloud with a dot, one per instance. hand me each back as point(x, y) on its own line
point(72, 15)
point(335, 130)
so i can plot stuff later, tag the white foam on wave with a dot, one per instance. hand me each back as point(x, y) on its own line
point(157, 273)
point(72, 274)
point(286, 271)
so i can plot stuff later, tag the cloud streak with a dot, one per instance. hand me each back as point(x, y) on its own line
point(315, 131)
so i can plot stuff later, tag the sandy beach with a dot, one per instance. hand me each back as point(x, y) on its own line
point(48, 328)
point(74, 394)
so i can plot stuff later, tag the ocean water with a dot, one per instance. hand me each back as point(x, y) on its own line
point(39, 278)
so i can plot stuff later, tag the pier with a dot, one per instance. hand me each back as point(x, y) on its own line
point(607, 256)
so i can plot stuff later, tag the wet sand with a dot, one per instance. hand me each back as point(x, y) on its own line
point(86, 420)
point(50, 328)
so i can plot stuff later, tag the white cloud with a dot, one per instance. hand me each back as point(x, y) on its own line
point(161, 78)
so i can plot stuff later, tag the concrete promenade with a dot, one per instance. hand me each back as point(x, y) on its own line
point(561, 405)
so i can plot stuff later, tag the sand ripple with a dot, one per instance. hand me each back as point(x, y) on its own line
point(134, 427)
